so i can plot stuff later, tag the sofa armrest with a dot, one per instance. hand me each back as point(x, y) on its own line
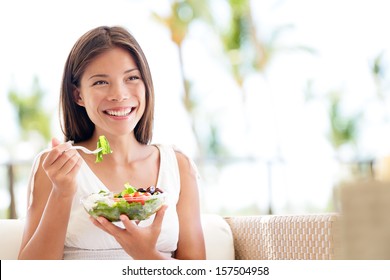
point(290, 237)
point(11, 231)
point(218, 238)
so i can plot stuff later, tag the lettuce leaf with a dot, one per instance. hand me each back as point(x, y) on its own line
point(129, 189)
point(106, 149)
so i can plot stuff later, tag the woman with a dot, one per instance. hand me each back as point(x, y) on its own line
point(107, 90)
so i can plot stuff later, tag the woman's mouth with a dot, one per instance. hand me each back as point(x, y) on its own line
point(119, 112)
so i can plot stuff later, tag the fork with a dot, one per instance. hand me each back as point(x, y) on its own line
point(85, 150)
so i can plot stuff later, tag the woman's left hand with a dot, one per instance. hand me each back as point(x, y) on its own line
point(138, 242)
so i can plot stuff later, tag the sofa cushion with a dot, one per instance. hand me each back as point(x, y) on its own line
point(11, 232)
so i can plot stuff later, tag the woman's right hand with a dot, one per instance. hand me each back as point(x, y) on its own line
point(61, 166)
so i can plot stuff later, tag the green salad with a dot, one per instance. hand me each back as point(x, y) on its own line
point(137, 204)
point(105, 146)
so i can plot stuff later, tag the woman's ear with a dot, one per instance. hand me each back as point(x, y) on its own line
point(77, 96)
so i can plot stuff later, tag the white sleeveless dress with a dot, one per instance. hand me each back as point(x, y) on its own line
point(86, 241)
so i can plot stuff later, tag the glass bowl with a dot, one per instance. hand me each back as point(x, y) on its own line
point(105, 204)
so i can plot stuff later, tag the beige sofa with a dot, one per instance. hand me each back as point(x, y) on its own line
point(268, 237)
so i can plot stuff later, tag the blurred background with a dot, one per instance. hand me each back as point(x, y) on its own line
point(276, 101)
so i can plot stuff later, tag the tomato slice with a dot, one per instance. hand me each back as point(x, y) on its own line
point(138, 197)
point(137, 194)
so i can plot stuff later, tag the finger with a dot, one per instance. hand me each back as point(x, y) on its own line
point(56, 153)
point(62, 164)
point(96, 223)
point(67, 162)
point(108, 227)
point(129, 225)
point(76, 167)
point(55, 142)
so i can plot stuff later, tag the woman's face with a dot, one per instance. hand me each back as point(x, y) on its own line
point(112, 92)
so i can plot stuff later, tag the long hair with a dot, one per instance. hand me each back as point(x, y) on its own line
point(75, 123)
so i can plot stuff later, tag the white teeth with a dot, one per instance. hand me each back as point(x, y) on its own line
point(119, 113)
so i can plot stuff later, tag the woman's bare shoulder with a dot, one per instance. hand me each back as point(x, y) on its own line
point(186, 164)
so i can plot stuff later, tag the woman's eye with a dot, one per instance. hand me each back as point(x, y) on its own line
point(98, 83)
point(132, 78)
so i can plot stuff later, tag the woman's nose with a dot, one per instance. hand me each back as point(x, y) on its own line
point(118, 93)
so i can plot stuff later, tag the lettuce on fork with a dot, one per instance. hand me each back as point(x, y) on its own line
point(105, 146)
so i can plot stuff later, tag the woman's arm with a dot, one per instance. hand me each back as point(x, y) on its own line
point(49, 210)
point(191, 241)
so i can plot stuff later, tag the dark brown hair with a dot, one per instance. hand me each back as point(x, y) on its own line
point(75, 123)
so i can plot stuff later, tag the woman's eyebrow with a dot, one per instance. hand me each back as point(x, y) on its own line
point(105, 75)
point(131, 70)
point(98, 76)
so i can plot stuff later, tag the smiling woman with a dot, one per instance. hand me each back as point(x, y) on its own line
point(107, 89)
point(113, 86)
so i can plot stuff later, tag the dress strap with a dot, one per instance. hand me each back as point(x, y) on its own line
point(169, 175)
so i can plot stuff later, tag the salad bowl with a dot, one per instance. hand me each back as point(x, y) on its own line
point(137, 204)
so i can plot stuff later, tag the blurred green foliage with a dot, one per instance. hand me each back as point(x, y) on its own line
point(343, 129)
point(31, 114)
